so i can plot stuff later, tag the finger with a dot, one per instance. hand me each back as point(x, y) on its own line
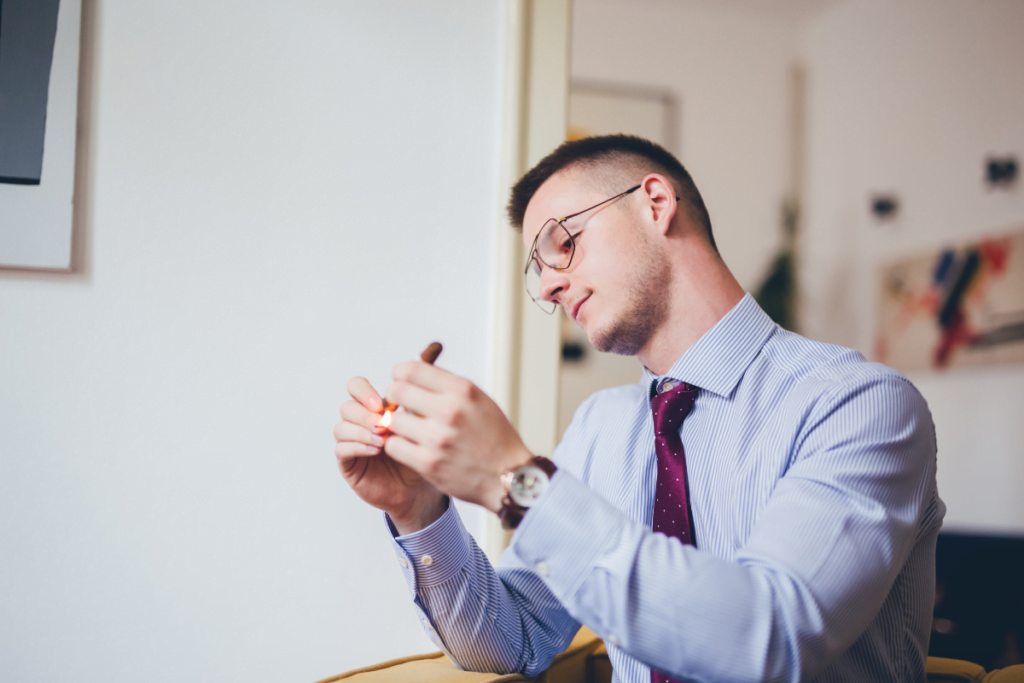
point(357, 414)
point(412, 455)
point(361, 390)
point(346, 450)
point(414, 398)
point(417, 429)
point(347, 431)
point(428, 376)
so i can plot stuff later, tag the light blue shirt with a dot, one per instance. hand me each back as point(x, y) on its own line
point(812, 482)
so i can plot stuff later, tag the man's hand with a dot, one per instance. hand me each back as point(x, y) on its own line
point(411, 502)
point(455, 436)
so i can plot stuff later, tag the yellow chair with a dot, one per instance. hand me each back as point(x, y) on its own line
point(584, 657)
point(941, 670)
point(586, 661)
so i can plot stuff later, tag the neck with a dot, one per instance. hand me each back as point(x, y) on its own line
point(702, 292)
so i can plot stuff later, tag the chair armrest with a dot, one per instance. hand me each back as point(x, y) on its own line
point(575, 664)
point(433, 667)
point(1011, 674)
point(942, 670)
point(568, 667)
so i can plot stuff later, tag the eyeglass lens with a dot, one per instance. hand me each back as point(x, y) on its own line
point(533, 287)
point(554, 248)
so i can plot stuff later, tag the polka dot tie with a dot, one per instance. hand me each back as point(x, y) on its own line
point(672, 515)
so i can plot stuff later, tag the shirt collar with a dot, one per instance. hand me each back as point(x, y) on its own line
point(719, 358)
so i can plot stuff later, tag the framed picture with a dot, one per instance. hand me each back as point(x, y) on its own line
point(39, 51)
point(959, 306)
point(605, 108)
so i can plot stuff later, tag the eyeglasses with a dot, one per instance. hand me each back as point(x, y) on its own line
point(554, 247)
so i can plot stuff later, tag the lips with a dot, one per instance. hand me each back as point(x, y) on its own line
point(579, 304)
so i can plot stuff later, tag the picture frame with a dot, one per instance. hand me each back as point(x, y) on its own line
point(40, 108)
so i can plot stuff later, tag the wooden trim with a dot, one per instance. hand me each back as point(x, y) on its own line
point(526, 343)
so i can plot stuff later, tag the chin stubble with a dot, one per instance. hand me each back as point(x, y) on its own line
point(648, 297)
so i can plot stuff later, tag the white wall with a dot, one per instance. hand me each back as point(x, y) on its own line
point(910, 97)
point(279, 196)
point(729, 71)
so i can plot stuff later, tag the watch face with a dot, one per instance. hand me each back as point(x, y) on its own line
point(528, 483)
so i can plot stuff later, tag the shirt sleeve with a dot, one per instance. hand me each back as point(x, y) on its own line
point(813, 573)
point(500, 621)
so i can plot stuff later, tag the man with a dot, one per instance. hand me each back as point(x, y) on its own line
point(790, 484)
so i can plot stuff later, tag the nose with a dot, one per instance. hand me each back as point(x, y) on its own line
point(553, 284)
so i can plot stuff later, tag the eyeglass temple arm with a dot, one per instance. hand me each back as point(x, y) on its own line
point(610, 199)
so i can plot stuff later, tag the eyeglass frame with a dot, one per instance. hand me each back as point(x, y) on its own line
point(572, 239)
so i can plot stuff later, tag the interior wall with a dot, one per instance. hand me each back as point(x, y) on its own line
point(909, 98)
point(729, 71)
point(906, 97)
point(272, 202)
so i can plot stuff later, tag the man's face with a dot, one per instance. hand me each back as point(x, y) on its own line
point(617, 286)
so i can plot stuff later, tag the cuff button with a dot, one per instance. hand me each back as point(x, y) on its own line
point(427, 560)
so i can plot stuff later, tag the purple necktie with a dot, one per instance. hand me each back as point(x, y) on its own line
point(672, 515)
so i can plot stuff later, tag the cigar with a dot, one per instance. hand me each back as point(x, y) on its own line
point(429, 355)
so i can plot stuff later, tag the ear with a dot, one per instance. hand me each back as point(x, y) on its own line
point(661, 203)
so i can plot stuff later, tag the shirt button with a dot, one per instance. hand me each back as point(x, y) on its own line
point(427, 560)
point(402, 561)
point(613, 640)
point(543, 569)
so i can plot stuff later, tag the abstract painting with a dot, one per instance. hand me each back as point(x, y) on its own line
point(961, 306)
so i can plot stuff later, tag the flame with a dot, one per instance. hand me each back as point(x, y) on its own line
point(385, 421)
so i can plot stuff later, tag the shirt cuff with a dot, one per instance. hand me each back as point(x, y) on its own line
point(565, 534)
point(435, 554)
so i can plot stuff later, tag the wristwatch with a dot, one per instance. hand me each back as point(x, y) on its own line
point(524, 485)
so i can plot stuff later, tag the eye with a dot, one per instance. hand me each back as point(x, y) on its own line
point(568, 237)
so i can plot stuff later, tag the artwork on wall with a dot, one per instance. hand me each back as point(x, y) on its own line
point(605, 109)
point(39, 41)
point(961, 306)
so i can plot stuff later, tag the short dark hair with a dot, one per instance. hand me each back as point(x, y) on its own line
point(610, 151)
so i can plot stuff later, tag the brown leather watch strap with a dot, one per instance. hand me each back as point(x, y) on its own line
point(511, 513)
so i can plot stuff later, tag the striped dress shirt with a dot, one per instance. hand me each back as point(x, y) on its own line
point(812, 483)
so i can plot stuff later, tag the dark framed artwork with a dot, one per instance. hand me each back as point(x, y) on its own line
point(39, 52)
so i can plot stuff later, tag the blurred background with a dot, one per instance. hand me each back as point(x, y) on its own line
point(848, 152)
point(272, 197)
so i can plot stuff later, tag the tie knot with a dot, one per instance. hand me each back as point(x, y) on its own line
point(670, 408)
